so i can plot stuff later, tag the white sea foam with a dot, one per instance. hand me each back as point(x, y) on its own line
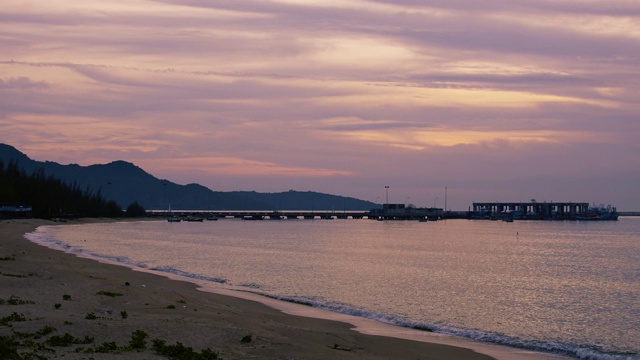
point(173, 271)
point(43, 238)
point(499, 339)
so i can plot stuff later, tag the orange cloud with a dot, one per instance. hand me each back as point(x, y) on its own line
point(230, 166)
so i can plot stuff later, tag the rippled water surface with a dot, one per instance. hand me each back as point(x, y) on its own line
point(568, 287)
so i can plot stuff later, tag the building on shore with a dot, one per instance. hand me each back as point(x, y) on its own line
point(14, 211)
point(542, 211)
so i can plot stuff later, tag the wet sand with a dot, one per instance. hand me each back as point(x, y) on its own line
point(57, 289)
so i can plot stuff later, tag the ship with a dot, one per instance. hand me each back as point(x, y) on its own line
point(599, 212)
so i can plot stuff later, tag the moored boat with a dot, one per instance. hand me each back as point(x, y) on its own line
point(599, 212)
point(194, 219)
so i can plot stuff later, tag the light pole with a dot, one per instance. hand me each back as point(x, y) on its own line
point(445, 198)
point(387, 190)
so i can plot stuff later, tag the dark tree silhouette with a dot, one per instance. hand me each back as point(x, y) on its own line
point(136, 210)
point(50, 197)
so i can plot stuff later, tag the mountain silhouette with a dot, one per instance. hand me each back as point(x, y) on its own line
point(124, 183)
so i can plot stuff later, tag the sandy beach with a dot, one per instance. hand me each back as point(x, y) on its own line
point(47, 294)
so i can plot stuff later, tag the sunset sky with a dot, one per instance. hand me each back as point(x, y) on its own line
point(503, 100)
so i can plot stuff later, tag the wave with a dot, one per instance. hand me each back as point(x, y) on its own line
point(47, 240)
point(572, 350)
point(189, 275)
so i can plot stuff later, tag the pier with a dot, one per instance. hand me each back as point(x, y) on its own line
point(388, 212)
point(291, 215)
point(507, 211)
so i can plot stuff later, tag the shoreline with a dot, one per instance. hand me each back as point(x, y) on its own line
point(204, 314)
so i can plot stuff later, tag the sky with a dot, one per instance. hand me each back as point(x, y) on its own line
point(440, 100)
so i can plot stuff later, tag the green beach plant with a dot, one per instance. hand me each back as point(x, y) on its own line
point(181, 352)
point(14, 300)
point(46, 330)
point(138, 340)
point(107, 347)
point(61, 340)
point(68, 340)
point(109, 293)
point(246, 339)
point(14, 317)
point(17, 275)
point(9, 348)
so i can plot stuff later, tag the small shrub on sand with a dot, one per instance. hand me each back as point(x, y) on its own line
point(91, 316)
point(14, 300)
point(107, 347)
point(61, 340)
point(246, 339)
point(8, 348)
point(138, 340)
point(181, 352)
point(66, 297)
point(14, 317)
point(108, 293)
point(46, 330)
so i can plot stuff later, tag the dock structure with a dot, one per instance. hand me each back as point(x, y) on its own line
point(263, 214)
point(530, 210)
point(388, 212)
point(402, 212)
point(507, 211)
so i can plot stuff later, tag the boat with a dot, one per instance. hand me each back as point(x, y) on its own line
point(173, 218)
point(194, 219)
point(599, 212)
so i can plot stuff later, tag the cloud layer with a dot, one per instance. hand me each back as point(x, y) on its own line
point(505, 101)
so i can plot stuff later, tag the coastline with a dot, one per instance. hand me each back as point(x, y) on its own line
point(195, 313)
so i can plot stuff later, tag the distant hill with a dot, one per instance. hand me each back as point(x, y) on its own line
point(124, 183)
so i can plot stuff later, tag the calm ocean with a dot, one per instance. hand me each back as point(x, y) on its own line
point(564, 287)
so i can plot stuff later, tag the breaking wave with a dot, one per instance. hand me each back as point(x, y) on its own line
point(572, 350)
point(47, 240)
point(174, 271)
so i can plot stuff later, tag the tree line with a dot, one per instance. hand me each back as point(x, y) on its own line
point(50, 197)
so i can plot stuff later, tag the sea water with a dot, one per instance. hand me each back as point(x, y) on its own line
point(564, 287)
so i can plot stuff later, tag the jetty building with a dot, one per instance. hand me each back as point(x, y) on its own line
point(538, 210)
